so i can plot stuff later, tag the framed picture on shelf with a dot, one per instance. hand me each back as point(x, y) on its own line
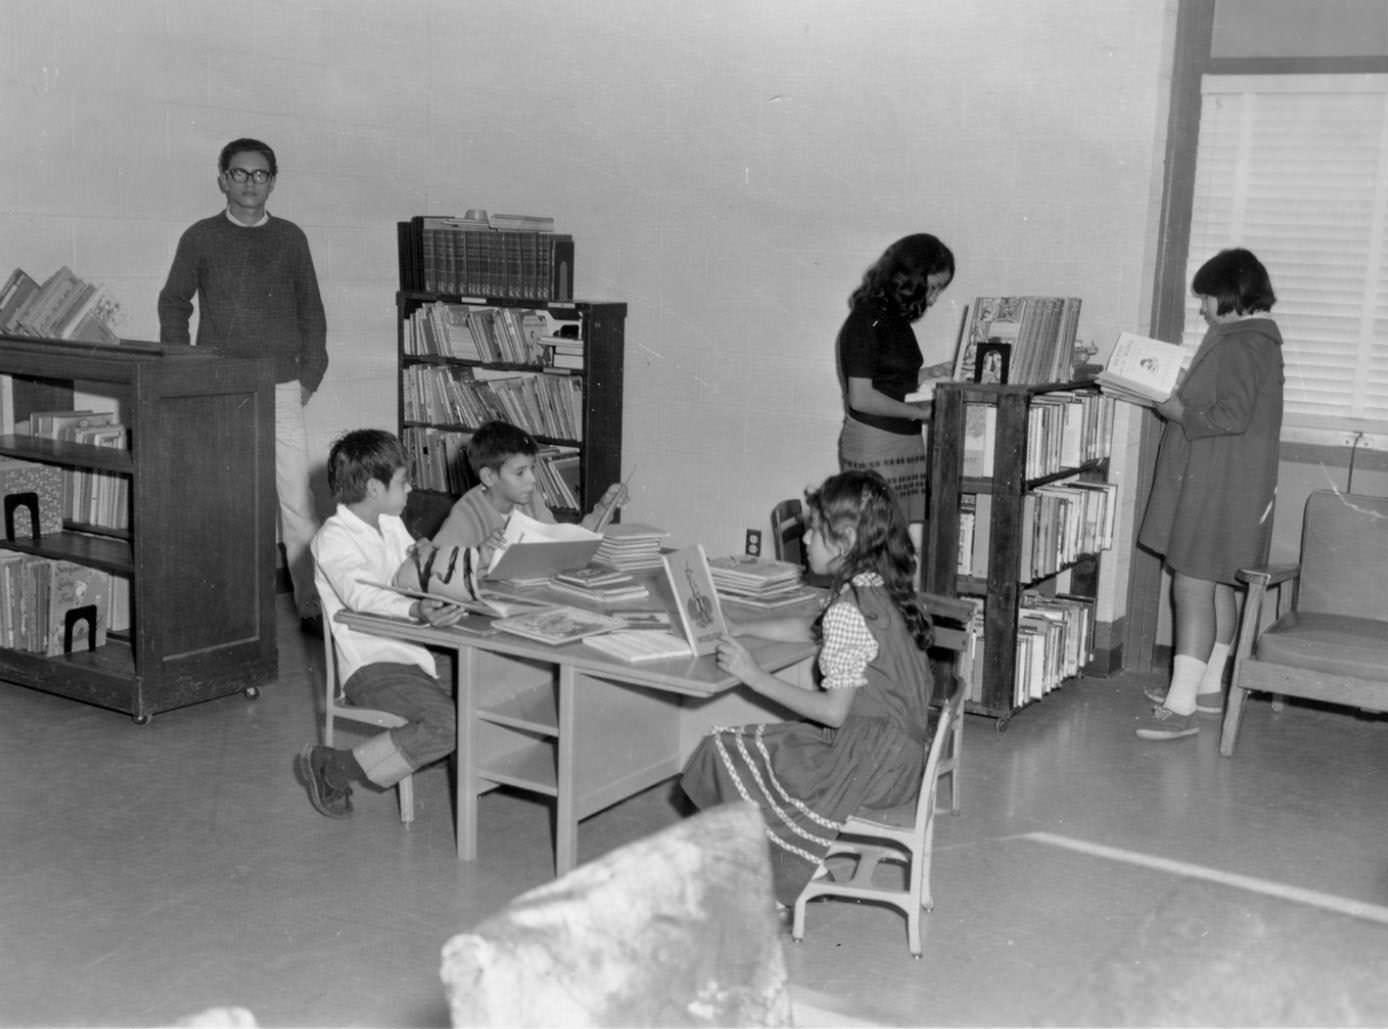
point(992, 361)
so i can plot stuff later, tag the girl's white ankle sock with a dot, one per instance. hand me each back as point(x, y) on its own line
point(1186, 674)
point(1213, 679)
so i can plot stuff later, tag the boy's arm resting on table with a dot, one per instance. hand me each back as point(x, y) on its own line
point(176, 298)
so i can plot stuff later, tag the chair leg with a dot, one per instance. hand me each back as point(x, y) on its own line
point(1233, 714)
point(406, 788)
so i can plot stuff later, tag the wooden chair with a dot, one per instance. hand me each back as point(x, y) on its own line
point(903, 835)
point(788, 531)
point(1332, 643)
point(336, 706)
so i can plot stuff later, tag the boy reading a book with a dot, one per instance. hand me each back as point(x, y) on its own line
point(364, 544)
point(502, 457)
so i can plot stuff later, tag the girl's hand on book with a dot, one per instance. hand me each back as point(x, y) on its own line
point(734, 659)
point(1171, 408)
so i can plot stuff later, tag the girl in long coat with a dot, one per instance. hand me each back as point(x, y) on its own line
point(1211, 508)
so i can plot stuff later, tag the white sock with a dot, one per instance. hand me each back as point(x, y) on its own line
point(1186, 673)
point(1213, 679)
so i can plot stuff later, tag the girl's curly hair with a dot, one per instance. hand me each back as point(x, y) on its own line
point(858, 509)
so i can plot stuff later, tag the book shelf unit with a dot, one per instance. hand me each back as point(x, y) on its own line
point(1005, 583)
point(601, 329)
point(199, 552)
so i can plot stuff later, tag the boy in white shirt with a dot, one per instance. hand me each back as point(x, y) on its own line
point(366, 542)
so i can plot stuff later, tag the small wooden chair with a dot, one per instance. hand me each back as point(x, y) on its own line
point(903, 835)
point(1332, 645)
point(336, 706)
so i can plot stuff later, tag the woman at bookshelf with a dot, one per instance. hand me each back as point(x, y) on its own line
point(860, 743)
point(880, 362)
point(1211, 508)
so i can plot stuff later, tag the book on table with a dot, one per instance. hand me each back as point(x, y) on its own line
point(559, 625)
point(747, 576)
point(1142, 370)
point(696, 601)
point(637, 646)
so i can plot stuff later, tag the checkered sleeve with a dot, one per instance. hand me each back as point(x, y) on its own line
point(847, 649)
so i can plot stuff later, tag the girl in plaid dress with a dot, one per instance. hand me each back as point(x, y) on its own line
point(861, 743)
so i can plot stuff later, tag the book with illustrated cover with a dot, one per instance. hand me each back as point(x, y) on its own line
point(696, 600)
point(72, 587)
point(559, 625)
point(1142, 370)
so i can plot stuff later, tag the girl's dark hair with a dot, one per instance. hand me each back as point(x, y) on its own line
point(919, 256)
point(861, 503)
point(495, 443)
point(1238, 282)
point(360, 456)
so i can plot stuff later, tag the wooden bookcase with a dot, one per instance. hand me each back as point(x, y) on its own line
point(600, 326)
point(199, 552)
point(1008, 486)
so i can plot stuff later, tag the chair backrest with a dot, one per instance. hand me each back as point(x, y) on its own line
point(1344, 555)
point(788, 531)
point(941, 750)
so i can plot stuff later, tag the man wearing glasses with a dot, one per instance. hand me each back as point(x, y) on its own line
point(257, 296)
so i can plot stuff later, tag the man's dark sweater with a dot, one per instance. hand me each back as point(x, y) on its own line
point(257, 296)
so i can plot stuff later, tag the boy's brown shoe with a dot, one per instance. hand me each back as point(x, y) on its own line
point(327, 799)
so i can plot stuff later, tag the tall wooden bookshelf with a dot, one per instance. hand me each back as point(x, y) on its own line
point(589, 428)
point(1016, 474)
point(199, 550)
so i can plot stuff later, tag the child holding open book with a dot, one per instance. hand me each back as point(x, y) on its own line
point(1211, 507)
point(502, 457)
point(863, 736)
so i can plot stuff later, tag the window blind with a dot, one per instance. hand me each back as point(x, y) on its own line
point(1295, 168)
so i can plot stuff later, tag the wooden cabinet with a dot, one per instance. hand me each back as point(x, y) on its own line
point(1000, 450)
point(199, 549)
point(567, 393)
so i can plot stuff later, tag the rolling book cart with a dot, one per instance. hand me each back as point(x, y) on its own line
point(196, 545)
point(1022, 546)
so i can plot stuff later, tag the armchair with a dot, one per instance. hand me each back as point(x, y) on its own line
point(1332, 643)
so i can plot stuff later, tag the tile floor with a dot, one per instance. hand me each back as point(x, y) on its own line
point(148, 873)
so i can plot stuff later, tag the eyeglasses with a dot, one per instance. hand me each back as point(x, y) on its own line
point(259, 176)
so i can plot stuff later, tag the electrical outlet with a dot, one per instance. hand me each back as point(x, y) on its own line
point(753, 546)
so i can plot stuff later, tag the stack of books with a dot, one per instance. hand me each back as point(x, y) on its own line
point(637, 646)
point(630, 547)
point(759, 582)
point(597, 584)
point(64, 307)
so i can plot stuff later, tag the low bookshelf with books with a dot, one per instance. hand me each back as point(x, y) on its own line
point(136, 568)
point(1021, 510)
point(551, 366)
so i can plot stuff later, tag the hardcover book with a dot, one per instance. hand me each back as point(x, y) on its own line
point(559, 625)
point(1142, 370)
point(696, 601)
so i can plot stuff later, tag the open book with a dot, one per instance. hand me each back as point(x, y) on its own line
point(1142, 370)
point(537, 549)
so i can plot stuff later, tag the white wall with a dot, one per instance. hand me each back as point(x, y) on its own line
point(728, 169)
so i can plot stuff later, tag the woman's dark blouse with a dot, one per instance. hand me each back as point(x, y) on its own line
point(879, 345)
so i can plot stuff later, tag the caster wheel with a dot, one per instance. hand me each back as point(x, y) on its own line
point(251, 692)
point(140, 719)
